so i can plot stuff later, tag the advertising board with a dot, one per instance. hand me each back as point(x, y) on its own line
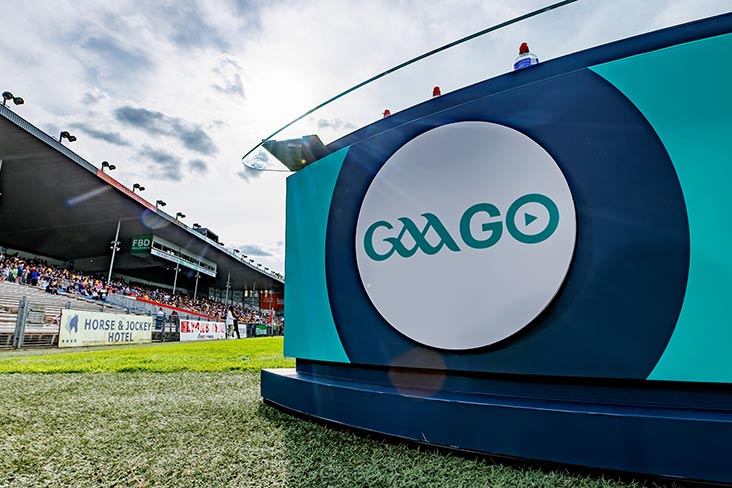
point(196, 330)
point(79, 329)
point(274, 301)
point(141, 244)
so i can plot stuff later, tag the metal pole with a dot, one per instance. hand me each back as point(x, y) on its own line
point(195, 290)
point(114, 251)
point(20, 323)
point(228, 285)
point(175, 280)
point(198, 273)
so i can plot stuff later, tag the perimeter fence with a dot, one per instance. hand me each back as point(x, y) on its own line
point(31, 318)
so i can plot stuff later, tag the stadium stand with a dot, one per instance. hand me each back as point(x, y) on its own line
point(50, 288)
point(77, 208)
point(44, 312)
point(69, 219)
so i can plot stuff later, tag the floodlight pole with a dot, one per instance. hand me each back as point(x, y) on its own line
point(115, 243)
point(228, 285)
point(198, 273)
point(175, 280)
point(195, 290)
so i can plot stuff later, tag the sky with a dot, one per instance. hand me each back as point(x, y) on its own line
point(174, 93)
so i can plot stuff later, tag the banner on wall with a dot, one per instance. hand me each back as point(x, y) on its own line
point(272, 302)
point(79, 328)
point(196, 330)
point(141, 244)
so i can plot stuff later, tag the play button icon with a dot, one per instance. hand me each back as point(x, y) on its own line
point(528, 218)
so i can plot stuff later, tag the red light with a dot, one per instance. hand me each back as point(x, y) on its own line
point(436, 91)
point(387, 112)
point(524, 48)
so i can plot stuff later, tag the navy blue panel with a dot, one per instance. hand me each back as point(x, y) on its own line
point(621, 300)
point(637, 393)
point(675, 442)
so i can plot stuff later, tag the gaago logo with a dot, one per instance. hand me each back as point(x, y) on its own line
point(465, 235)
point(492, 231)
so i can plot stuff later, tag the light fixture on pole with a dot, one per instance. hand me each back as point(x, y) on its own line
point(65, 135)
point(110, 167)
point(137, 186)
point(7, 96)
point(160, 203)
point(180, 215)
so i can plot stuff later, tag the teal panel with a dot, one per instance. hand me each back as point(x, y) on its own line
point(310, 332)
point(684, 92)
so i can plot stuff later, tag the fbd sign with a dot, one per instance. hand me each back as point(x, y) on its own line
point(141, 244)
point(480, 203)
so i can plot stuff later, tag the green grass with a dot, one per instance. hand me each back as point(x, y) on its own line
point(212, 356)
point(203, 424)
point(195, 429)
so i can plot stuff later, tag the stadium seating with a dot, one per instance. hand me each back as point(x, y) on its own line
point(45, 310)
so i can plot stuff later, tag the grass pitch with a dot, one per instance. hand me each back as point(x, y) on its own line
point(209, 356)
point(201, 424)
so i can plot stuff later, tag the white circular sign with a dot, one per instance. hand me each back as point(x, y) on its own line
point(465, 235)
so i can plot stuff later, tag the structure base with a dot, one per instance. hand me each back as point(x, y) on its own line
point(619, 427)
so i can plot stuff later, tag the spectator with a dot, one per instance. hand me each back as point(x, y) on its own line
point(230, 323)
point(54, 279)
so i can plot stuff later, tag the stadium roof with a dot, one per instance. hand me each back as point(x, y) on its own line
point(56, 204)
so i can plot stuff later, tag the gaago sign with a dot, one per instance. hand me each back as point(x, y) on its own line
point(465, 235)
point(429, 265)
point(493, 230)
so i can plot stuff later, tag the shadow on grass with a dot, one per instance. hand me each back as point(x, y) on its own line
point(321, 453)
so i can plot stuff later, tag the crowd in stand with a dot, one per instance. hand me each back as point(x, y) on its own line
point(55, 279)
